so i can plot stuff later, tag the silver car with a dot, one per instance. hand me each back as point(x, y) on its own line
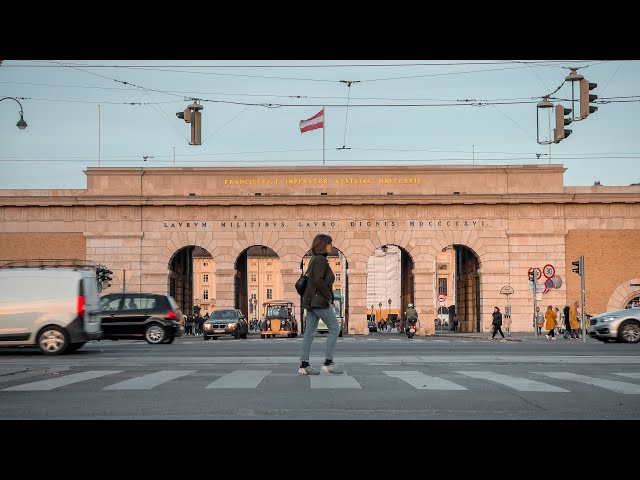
point(617, 326)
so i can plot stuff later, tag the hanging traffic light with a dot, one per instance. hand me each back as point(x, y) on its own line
point(560, 133)
point(586, 98)
point(185, 115)
point(192, 115)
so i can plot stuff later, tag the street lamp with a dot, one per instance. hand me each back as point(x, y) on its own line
point(380, 307)
point(21, 123)
point(384, 249)
point(389, 311)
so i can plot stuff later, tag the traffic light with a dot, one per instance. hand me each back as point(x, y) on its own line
point(104, 277)
point(579, 266)
point(185, 115)
point(192, 115)
point(586, 98)
point(532, 275)
point(560, 133)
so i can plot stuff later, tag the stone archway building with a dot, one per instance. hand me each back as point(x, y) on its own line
point(510, 217)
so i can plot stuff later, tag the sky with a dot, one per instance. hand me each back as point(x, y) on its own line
point(89, 113)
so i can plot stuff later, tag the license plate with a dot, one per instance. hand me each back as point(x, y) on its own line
point(219, 330)
point(412, 330)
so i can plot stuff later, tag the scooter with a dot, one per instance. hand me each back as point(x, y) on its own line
point(411, 326)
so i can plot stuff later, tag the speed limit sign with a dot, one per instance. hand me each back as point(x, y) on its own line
point(548, 270)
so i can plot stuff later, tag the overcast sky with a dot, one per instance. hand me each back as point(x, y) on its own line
point(405, 112)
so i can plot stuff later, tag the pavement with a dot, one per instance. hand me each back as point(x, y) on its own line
point(513, 337)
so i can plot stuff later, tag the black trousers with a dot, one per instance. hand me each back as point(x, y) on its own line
point(496, 329)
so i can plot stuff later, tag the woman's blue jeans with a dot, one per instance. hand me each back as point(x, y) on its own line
point(328, 316)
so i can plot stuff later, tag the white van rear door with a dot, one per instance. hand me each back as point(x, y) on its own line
point(92, 315)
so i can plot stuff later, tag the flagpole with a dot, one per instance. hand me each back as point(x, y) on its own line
point(323, 127)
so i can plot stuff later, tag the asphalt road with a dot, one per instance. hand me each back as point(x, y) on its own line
point(387, 376)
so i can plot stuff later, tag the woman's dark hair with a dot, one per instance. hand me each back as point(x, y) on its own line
point(319, 245)
point(497, 308)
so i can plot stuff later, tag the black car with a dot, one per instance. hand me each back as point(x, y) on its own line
point(154, 317)
point(225, 322)
point(372, 326)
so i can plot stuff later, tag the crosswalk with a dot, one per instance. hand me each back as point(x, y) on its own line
point(462, 381)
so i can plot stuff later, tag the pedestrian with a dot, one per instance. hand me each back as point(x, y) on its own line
point(573, 320)
point(550, 318)
point(317, 300)
point(559, 321)
point(497, 323)
point(538, 319)
point(567, 324)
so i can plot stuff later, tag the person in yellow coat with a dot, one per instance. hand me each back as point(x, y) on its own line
point(550, 322)
point(573, 320)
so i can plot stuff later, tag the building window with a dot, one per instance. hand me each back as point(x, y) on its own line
point(337, 263)
point(205, 308)
point(268, 263)
point(205, 294)
point(205, 264)
point(269, 294)
point(205, 278)
point(442, 286)
point(269, 277)
point(254, 278)
point(337, 277)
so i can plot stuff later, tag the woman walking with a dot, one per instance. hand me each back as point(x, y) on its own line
point(497, 323)
point(317, 300)
point(550, 319)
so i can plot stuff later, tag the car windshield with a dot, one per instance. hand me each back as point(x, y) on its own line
point(223, 315)
point(278, 311)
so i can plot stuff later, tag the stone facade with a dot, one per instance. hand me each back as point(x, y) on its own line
point(510, 218)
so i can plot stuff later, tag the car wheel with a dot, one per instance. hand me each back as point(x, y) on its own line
point(155, 334)
point(52, 341)
point(629, 332)
point(205, 338)
point(214, 338)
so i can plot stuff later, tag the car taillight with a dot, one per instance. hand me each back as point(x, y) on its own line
point(80, 308)
point(171, 315)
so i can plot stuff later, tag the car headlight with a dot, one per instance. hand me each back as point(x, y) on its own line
point(232, 325)
point(207, 326)
point(609, 318)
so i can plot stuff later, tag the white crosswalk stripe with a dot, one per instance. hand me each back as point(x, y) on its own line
point(240, 379)
point(613, 385)
point(333, 381)
point(630, 374)
point(61, 381)
point(424, 382)
point(517, 383)
point(147, 382)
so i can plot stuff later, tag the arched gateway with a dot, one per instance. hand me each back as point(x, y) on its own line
point(495, 223)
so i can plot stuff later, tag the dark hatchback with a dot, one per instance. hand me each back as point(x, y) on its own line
point(225, 322)
point(152, 317)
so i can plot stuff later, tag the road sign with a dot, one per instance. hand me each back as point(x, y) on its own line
point(538, 273)
point(539, 287)
point(506, 290)
point(557, 281)
point(548, 284)
point(441, 298)
point(548, 270)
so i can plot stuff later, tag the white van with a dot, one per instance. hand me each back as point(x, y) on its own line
point(55, 308)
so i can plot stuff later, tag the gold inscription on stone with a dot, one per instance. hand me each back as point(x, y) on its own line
point(321, 181)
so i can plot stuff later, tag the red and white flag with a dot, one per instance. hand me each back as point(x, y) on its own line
point(317, 121)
